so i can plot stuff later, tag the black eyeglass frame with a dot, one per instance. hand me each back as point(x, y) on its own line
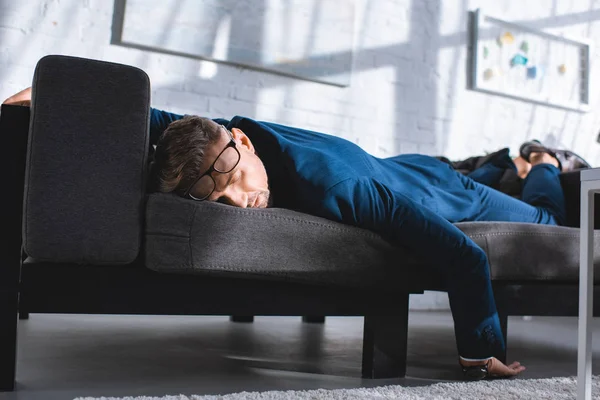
point(211, 169)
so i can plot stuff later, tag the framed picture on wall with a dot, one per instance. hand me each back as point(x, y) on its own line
point(307, 39)
point(519, 62)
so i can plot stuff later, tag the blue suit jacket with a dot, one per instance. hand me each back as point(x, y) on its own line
point(410, 199)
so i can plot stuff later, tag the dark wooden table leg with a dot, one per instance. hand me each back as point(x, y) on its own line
point(385, 344)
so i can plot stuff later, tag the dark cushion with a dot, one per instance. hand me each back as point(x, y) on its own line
point(184, 236)
point(87, 152)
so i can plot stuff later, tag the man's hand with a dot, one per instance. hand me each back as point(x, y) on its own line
point(497, 368)
point(23, 98)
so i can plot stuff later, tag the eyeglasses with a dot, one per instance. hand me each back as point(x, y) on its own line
point(225, 162)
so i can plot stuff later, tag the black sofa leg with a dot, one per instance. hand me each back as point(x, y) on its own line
point(504, 326)
point(8, 339)
point(314, 319)
point(241, 318)
point(385, 344)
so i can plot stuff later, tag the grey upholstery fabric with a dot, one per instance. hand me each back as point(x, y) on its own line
point(86, 162)
point(530, 252)
point(184, 236)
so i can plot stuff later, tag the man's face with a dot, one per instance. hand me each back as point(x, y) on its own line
point(247, 184)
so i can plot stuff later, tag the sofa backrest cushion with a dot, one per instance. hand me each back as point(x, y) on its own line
point(86, 162)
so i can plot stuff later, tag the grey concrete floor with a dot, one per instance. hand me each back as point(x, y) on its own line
point(66, 356)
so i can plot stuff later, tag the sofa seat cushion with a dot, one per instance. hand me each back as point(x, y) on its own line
point(531, 252)
point(184, 236)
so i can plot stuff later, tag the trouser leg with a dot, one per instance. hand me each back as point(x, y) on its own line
point(542, 189)
point(542, 199)
point(488, 175)
point(492, 171)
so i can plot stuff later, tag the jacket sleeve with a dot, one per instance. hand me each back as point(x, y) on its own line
point(462, 265)
point(369, 204)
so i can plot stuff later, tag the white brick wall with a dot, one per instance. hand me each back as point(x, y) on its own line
point(407, 92)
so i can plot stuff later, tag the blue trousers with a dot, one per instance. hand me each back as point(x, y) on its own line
point(477, 326)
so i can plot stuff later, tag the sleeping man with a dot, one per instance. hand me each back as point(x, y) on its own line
point(410, 199)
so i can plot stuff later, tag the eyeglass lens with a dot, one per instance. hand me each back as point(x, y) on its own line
point(226, 162)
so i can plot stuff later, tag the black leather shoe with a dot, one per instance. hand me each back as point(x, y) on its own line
point(570, 161)
point(567, 160)
point(535, 146)
point(525, 149)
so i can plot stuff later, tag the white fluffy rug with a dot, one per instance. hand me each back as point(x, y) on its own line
point(532, 389)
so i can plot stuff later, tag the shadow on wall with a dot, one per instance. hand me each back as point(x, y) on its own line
point(423, 35)
point(229, 32)
point(219, 28)
point(422, 125)
point(25, 20)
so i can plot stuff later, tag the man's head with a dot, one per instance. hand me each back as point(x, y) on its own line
point(200, 159)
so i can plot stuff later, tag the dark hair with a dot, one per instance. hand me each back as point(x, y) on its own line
point(180, 152)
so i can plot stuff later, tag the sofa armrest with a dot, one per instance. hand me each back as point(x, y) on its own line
point(86, 162)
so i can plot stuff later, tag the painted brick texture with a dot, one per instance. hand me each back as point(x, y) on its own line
point(408, 86)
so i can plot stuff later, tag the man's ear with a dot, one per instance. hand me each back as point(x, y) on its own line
point(242, 139)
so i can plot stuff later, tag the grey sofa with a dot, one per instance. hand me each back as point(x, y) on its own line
point(80, 234)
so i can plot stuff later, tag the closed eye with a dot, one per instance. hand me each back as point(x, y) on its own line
point(236, 177)
point(224, 180)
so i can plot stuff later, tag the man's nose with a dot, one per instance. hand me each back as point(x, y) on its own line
point(235, 198)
